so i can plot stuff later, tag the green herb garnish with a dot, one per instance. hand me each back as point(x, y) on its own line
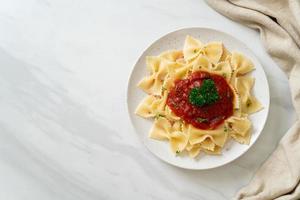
point(158, 115)
point(199, 119)
point(177, 152)
point(225, 129)
point(206, 94)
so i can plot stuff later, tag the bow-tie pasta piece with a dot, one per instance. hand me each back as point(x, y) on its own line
point(217, 151)
point(239, 129)
point(249, 103)
point(242, 139)
point(208, 143)
point(153, 64)
point(201, 63)
point(223, 69)
point(238, 125)
point(241, 64)
point(176, 74)
point(159, 68)
point(178, 141)
point(170, 115)
point(193, 150)
point(217, 137)
point(191, 48)
point(179, 137)
point(161, 64)
point(151, 85)
point(173, 56)
point(213, 51)
point(161, 129)
point(182, 73)
point(151, 106)
point(226, 55)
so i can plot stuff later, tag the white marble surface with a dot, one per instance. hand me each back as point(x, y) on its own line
point(65, 132)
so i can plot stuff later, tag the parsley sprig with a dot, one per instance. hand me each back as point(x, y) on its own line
point(206, 94)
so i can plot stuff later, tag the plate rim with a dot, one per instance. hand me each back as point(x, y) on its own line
point(129, 80)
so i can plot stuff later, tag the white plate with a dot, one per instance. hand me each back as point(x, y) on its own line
point(232, 149)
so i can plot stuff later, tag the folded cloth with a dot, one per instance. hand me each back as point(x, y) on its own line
point(279, 24)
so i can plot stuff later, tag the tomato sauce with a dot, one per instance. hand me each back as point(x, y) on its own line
point(207, 116)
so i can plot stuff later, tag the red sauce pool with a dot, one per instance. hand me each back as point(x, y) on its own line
point(214, 114)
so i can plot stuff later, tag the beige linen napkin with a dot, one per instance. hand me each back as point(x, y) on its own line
point(279, 24)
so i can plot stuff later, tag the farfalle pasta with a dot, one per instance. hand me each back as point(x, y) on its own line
point(199, 97)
